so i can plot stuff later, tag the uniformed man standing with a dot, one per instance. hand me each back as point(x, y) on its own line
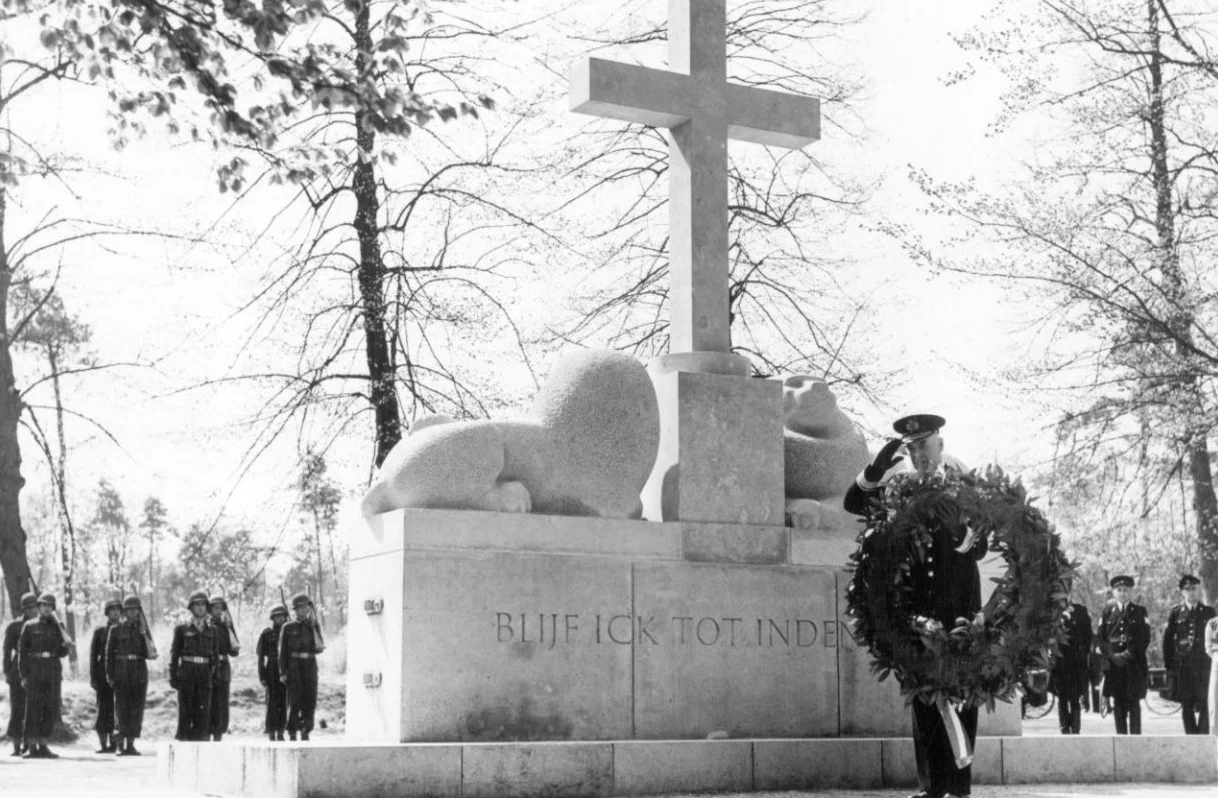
point(41, 645)
point(269, 671)
point(104, 726)
point(127, 658)
point(1184, 655)
point(193, 658)
point(226, 642)
point(945, 587)
point(1124, 635)
point(1070, 678)
point(299, 645)
point(12, 675)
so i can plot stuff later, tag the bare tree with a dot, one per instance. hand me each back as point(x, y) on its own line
point(1112, 235)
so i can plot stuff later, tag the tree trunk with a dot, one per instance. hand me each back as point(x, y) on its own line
point(1181, 319)
point(381, 393)
point(13, 559)
point(67, 540)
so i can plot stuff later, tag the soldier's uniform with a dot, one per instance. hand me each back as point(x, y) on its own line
point(193, 658)
point(268, 673)
point(104, 725)
point(945, 587)
point(298, 650)
point(12, 674)
point(1070, 678)
point(1185, 659)
point(1124, 635)
point(127, 658)
point(226, 647)
point(40, 647)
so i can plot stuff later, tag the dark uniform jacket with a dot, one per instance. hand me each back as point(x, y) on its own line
point(190, 641)
point(39, 649)
point(1184, 651)
point(97, 657)
point(296, 637)
point(224, 647)
point(12, 633)
point(1125, 631)
point(126, 655)
point(268, 655)
point(1071, 675)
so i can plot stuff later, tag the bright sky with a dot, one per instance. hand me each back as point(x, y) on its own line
point(183, 446)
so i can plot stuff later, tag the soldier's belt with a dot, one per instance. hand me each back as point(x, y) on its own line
point(38, 654)
point(197, 660)
point(301, 654)
point(134, 656)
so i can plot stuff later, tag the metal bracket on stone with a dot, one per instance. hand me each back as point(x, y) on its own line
point(374, 606)
point(372, 679)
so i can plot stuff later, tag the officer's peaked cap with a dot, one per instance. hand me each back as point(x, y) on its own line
point(1188, 580)
point(919, 426)
point(1122, 580)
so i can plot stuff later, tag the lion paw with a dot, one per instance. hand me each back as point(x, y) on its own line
point(509, 497)
point(803, 513)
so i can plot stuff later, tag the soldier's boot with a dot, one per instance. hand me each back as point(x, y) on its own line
point(218, 736)
point(105, 743)
point(270, 736)
point(17, 748)
point(279, 735)
point(292, 736)
point(304, 735)
point(121, 748)
point(131, 747)
point(47, 753)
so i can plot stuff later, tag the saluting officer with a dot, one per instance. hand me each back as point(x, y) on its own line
point(947, 586)
point(269, 671)
point(1184, 655)
point(1124, 635)
point(299, 645)
point(193, 658)
point(40, 647)
point(12, 674)
point(127, 658)
point(226, 643)
point(104, 725)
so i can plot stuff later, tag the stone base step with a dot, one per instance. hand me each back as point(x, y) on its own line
point(648, 767)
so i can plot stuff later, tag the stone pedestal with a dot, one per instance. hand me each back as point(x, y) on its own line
point(469, 626)
point(721, 451)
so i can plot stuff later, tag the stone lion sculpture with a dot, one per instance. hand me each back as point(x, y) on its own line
point(585, 447)
point(823, 453)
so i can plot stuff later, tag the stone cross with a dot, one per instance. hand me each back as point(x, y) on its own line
point(701, 111)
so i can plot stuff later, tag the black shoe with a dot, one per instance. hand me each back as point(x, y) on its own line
point(32, 753)
point(47, 753)
point(926, 794)
point(18, 749)
point(217, 736)
point(279, 735)
point(292, 736)
point(304, 736)
point(132, 752)
point(270, 736)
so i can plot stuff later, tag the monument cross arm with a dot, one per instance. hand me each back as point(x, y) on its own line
point(701, 111)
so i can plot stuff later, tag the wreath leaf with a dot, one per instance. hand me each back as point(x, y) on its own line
point(982, 659)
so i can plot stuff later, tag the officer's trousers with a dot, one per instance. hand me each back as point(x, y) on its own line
point(302, 694)
point(16, 705)
point(40, 708)
point(194, 702)
point(105, 710)
point(937, 771)
point(1128, 715)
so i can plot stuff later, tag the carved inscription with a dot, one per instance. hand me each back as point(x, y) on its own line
point(551, 629)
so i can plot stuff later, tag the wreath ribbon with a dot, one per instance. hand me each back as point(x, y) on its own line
point(962, 751)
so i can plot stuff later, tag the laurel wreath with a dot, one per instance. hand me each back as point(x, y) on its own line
point(982, 659)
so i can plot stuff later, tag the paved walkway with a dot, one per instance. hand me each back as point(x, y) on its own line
point(80, 773)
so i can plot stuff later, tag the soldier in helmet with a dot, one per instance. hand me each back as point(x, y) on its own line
point(268, 673)
point(127, 658)
point(226, 642)
point(1124, 635)
point(12, 675)
point(40, 647)
point(193, 658)
point(104, 726)
point(299, 645)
